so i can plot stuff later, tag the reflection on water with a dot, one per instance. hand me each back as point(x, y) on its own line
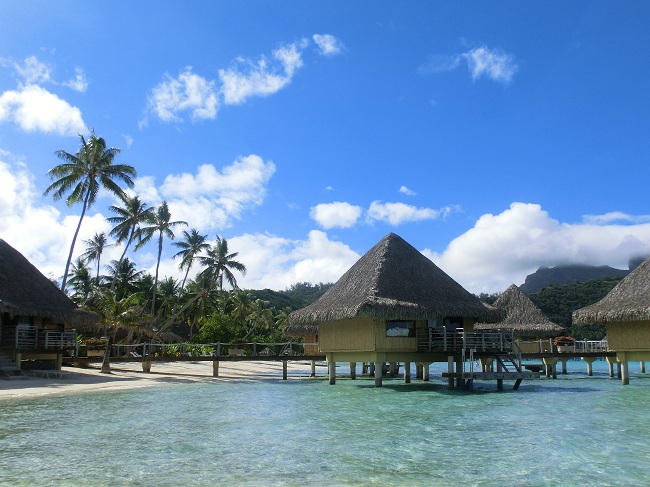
point(569, 431)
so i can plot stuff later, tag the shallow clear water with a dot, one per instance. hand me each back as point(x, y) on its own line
point(575, 430)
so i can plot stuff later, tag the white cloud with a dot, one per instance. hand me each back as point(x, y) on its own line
point(493, 63)
point(614, 216)
point(211, 198)
point(406, 191)
point(34, 71)
point(79, 83)
point(337, 214)
point(188, 92)
point(263, 78)
point(277, 263)
point(328, 45)
point(503, 249)
point(398, 213)
point(34, 109)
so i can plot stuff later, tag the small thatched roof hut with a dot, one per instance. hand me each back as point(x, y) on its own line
point(628, 301)
point(25, 291)
point(392, 281)
point(522, 316)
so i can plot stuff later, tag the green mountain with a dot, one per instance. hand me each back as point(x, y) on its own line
point(566, 274)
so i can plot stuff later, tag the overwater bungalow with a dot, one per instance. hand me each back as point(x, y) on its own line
point(625, 311)
point(531, 328)
point(37, 319)
point(395, 305)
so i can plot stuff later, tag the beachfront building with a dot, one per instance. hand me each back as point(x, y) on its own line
point(532, 330)
point(37, 319)
point(395, 305)
point(309, 335)
point(625, 311)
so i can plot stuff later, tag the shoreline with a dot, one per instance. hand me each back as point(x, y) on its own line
point(131, 376)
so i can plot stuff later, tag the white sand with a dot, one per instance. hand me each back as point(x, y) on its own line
point(129, 375)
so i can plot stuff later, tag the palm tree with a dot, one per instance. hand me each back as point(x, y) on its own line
point(219, 263)
point(81, 281)
point(192, 246)
point(83, 174)
point(95, 248)
point(159, 222)
point(128, 220)
point(123, 275)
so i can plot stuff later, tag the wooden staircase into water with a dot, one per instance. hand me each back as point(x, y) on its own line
point(9, 370)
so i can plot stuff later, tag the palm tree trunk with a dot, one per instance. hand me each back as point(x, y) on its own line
point(74, 240)
point(155, 283)
point(119, 262)
point(106, 363)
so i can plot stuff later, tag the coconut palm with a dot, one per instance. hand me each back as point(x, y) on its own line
point(123, 276)
point(81, 281)
point(158, 222)
point(220, 263)
point(95, 249)
point(128, 220)
point(191, 247)
point(82, 175)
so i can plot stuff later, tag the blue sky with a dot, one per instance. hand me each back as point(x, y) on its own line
point(495, 137)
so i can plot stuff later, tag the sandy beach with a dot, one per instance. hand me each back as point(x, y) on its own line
point(130, 375)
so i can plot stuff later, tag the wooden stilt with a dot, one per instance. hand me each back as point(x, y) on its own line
point(425, 372)
point(459, 371)
point(313, 368)
point(284, 369)
point(625, 376)
point(379, 369)
point(353, 370)
point(418, 371)
point(450, 370)
point(407, 372)
point(564, 372)
point(500, 381)
point(590, 361)
point(215, 368)
point(331, 367)
point(619, 374)
point(642, 367)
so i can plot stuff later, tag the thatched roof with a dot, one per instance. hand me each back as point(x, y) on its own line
point(522, 316)
point(629, 300)
point(25, 291)
point(393, 280)
point(301, 330)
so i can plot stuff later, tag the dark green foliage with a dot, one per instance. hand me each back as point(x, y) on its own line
point(559, 301)
point(488, 298)
point(304, 293)
point(276, 299)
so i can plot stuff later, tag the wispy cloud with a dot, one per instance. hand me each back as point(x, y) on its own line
point(188, 92)
point(338, 214)
point(615, 216)
point(261, 78)
point(244, 79)
point(399, 213)
point(328, 44)
point(33, 71)
point(494, 64)
point(405, 190)
point(79, 82)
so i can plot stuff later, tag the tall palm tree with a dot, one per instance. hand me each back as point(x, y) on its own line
point(81, 281)
point(191, 247)
point(159, 222)
point(219, 263)
point(128, 220)
point(123, 276)
point(82, 175)
point(95, 249)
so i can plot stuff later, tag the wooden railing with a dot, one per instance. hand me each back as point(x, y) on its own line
point(218, 349)
point(443, 340)
point(31, 337)
point(547, 346)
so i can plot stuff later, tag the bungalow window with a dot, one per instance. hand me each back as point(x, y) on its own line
point(400, 328)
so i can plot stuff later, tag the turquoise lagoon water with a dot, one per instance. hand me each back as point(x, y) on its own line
point(575, 430)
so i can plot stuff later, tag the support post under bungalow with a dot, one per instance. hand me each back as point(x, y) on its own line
point(564, 371)
point(353, 370)
point(313, 368)
point(610, 364)
point(284, 369)
point(589, 361)
point(642, 367)
point(500, 381)
point(425, 371)
point(379, 371)
point(146, 366)
point(407, 372)
point(450, 371)
point(625, 375)
point(459, 372)
point(331, 368)
point(215, 368)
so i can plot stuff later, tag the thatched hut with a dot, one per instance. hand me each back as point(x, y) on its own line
point(625, 311)
point(527, 322)
point(37, 320)
point(309, 335)
point(375, 311)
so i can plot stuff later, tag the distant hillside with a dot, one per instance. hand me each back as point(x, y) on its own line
point(545, 276)
point(559, 301)
point(296, 297)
